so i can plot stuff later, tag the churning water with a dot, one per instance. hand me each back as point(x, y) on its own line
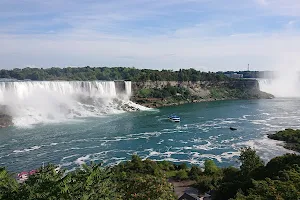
point(203, 133)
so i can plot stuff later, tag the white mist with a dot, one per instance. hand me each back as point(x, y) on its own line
point(286, 81)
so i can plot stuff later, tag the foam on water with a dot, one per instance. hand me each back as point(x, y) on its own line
point(106, 139)
point(265, 147)
point(26, 150)
point(82, 160)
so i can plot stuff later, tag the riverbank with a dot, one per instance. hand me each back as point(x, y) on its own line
point(158, 103)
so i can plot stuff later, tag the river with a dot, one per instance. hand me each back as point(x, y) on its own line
point(203, 133)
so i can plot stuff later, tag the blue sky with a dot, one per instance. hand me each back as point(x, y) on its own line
point(209, 35)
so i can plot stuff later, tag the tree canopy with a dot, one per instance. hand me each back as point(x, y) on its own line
point(106, 73)
point(147, 179)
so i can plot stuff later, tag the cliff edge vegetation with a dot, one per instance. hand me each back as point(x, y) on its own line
point(166, 93)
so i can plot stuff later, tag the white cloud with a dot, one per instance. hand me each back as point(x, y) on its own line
point(262, 51)
point(262, 2)
point(281, 7)
point(102, 34)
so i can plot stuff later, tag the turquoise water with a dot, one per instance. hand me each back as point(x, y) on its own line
point(203, 133)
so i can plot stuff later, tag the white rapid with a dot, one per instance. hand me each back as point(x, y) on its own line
point(33, 102)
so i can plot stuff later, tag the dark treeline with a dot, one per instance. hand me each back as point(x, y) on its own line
point(146, 179)
point(106, 73)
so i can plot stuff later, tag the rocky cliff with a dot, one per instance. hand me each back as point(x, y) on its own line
point(5, 118)
point(155, 94)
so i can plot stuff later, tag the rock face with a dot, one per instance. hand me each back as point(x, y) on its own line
point(5, 118)
point(201, 91)
point(5, 121)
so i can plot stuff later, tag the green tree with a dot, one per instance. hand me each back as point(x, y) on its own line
point(181, 175)
point(145, 186)
point(250, 161)
point(210, 167)
point(195, 172)
point(8, 185)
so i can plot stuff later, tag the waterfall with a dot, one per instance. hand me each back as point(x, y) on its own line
point(282, 86)
point(128, 88)
point(32, 102)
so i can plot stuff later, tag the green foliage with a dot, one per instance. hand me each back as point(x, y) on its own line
point(218, 93)
point(139, 186)
point(144, 93)
point(250, 161)
point(146, 179)
point(292, 137)
point(181, 175)
point(272, 189)
point(139, 179)
point(281, 163)
point(90, 182)
point(8, 185)
point(195, 172)
point(114, 73)
point(210, 167)
point(206, 183)
point(233, 92)
point(182, 166)
point(166, 165)
point(178, 93)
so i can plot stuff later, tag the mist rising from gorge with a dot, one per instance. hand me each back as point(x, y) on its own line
point(285, 79)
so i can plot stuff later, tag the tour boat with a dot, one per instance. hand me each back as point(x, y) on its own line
point(174, 118)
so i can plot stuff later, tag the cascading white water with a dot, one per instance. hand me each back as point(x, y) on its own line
point(128, 88)
point(33, 102)
point(285, 78)
point(285, 84)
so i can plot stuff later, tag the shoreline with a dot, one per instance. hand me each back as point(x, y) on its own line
point(164, 103)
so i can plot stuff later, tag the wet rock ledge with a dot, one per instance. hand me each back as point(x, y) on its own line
point(5, 120)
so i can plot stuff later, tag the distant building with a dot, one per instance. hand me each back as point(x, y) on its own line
point(234, 75)
point(187, 196)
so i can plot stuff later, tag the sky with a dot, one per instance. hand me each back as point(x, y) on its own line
point(208, 35)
